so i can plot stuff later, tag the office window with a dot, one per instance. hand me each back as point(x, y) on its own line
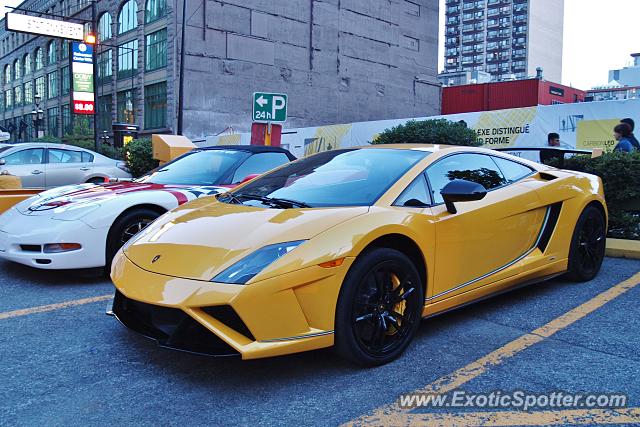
point(156, 50)
point(66, 80)
point(8, 99)
point(52, 121)
point(52, 53)
point(28, 93)
point(126, 106)
point(17, 69)
point(104, 112)
point(17, 96)
point(39, 55)
point(40, 87)
point(155, 106)
point(154, 10)
point(104, 27)
point(128, 17)
point(66, 120)
point(7, 73)
point(52, 80)
point(64, 49)
point(127, 59)
point(105, 66)
point(26, 62)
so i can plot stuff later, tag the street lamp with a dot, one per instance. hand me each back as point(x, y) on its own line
point(37, 114)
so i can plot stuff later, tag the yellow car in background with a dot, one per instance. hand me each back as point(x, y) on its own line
point(352, 247)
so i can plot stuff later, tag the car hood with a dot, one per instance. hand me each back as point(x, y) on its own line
point(65, 197)
point(204, 237)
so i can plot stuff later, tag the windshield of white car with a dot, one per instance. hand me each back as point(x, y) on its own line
point(347, 177)
point(206, 167)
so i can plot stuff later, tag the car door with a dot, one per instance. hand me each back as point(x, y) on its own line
point(485, 240)
point(28, 164)
point(66, 167)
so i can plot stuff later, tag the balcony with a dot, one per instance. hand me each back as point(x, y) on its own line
point(452, 31)
point(468, 28)
point(453, 10)
point(452, 2)
point(453, 20)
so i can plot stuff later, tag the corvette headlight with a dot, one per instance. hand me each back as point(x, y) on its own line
point(245, 269)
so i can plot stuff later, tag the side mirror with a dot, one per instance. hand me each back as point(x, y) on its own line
point(460, 190)
point(249, 177)
point(3, 162)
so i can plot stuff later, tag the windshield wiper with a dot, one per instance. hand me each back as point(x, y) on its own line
point(275, 201)
point(230, 196)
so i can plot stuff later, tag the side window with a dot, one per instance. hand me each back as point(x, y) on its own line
point(416, 194)
point(64, 156)
point(471, 167)
point(513, 171)
point(31, 156)
point(87, 157)
point(259, 163)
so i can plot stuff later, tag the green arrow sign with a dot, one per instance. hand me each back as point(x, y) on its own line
point(269, 107)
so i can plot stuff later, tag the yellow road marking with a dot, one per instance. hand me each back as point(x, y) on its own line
point(53, 307)
point(537, 418)
point(392, 414)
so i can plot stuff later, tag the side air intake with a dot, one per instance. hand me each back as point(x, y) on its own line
point(550, 226)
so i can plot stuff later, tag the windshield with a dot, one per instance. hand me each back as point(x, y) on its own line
point(207, 167)
point(350, 177)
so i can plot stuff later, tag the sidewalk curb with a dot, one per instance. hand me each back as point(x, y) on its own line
point(621, 248)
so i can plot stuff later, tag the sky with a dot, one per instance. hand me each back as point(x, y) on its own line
point(599, 35)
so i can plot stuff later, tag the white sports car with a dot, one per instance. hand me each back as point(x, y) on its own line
point(83, 226)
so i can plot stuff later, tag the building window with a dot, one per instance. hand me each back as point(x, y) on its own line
point(52, 121)
point(128, 17)
point(17, 74)
point(52, 80)
point(154, 10)
point(155, 106)
point(64, 49)
point(17, 96)
point(127, 59)
point(104, 112)
point(39, 59)
point(104, 27)
point(27, 64)
point(40, 86)
point(28, 93)
point(7, 73)
point(66, 80)
point(105, 66)
point(156, 50)
point(8, 99)
point(126, 106)
point(27, 127)
point(52, 53)
point(66, 120)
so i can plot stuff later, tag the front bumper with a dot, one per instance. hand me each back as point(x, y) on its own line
point(286, 314)
point(22, 238)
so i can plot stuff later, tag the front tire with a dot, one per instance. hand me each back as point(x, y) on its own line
point(379, 308)
point(124, 228)
point(587, 246)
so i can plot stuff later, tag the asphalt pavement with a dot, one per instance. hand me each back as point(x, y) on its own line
point(72, 365)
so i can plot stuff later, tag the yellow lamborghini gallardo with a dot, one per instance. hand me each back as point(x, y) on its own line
point(352, 247)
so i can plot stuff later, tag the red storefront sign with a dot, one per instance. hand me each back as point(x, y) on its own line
point(83, 107)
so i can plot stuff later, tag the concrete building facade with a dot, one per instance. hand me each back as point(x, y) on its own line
point(509, 39)
point(338, 60)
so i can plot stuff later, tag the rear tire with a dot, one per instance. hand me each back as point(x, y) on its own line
point(124, 228)
point(587, 246)
point(379, 308)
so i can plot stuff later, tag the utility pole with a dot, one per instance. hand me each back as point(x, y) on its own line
point(94, 30)
point(181, 82)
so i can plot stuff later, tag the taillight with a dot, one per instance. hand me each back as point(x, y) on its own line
point(123, 166)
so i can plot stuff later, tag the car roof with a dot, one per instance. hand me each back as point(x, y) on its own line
point(251, 149)
point(45, 145)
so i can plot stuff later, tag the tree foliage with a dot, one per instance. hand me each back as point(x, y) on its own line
point(433, 131)
point(139, 156)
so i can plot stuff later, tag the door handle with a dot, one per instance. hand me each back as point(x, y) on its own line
point(36, 172)
point(85, 169)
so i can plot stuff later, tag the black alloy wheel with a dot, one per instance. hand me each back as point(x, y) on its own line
point(379, 309)
point(587, 245)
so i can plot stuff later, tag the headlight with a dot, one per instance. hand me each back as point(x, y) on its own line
point(245, 269)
